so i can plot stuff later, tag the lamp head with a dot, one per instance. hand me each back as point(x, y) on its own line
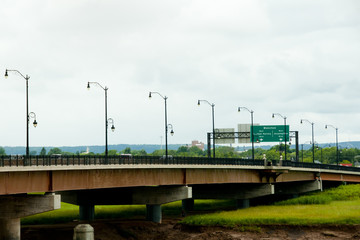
point(6, 73)
point(301, 121)
point(88, 86)
point(172, 132)
point(198, 102)
point(113, 128)
point(35, 123)
point(150, 95)
point(273, 115)
point(238, 109)
point(325, 126)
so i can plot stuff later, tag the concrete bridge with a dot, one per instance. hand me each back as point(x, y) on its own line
point(152, 181)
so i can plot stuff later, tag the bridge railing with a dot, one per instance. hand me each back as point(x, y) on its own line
point(61, 160)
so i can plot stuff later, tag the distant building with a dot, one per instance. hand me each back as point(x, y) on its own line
point(198, 144)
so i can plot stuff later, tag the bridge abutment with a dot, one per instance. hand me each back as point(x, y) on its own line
point(14, 207)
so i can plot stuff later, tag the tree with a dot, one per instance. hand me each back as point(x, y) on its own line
point(112, 152)
point(54, 151)
point(2, 151)
point(126, 151)
point(194, 151)
point(43, 152)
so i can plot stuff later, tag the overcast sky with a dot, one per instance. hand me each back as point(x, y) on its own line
point(299, 58)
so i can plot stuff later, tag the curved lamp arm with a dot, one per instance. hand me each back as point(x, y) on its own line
point(33, 115)
point(110, 120)
point(96, 83)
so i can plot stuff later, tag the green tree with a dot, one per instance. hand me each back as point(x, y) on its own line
point(126, 151)
point(2, 151)
point(141, 152)
point(194, 151)
point(112, 152)
point(226, 152)
point(54, 151)
point(43, 152)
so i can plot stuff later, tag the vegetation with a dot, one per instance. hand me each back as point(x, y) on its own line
point(2, 151)
point(335, 206)
point(69, 212)
point(342, 193)
point(339, 212)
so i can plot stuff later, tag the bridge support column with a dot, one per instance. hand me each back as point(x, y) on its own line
point(87, 212)
point(153, 213)
point(187, 204)
point(242, 203)
point(14, 207)
point(10, 228)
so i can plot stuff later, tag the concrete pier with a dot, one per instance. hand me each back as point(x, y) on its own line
point(14, 207)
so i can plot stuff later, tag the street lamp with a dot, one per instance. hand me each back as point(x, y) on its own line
point(252, 129)
point(337, 142)
point(278, 114)
point(28, 115)
point(312, 132)
point(106, 118)
point(111, 121)
point(213, 122)
point(172, 129)
point(166, 124)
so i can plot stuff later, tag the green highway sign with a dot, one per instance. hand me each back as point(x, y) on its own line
point(269, 133)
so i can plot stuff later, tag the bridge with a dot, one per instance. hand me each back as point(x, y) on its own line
point(152, 181)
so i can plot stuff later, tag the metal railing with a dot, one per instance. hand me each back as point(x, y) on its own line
point(68, 160)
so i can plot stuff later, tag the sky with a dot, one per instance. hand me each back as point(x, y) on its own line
point(298, 58)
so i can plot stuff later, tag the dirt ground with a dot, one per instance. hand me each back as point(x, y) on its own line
point(170, 230)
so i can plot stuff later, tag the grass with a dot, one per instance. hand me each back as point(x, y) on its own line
point(342, 193)
point(337, 212)
point(69, 212)
point(335, 206)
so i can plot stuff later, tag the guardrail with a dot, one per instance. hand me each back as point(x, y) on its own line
point(61, 160)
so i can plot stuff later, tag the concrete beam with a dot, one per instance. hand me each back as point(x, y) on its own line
point(14, 207)
point(232, 191)
point(128, 196)
point(18, 206)
point(161, 195)
point(298, 187)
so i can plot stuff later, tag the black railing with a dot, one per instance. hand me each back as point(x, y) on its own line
point(78, 160)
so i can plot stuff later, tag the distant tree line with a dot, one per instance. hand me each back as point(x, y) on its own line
point(325, 155)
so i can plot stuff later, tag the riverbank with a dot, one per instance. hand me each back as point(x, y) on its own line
point(171, 230)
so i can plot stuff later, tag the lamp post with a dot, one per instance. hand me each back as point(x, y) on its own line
point(213, 121)
point(312, 133)
point(283, 117)
point(106, 119)
point(28, 115)
point(252, 129)
point(337, 142)
point(166, 124)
